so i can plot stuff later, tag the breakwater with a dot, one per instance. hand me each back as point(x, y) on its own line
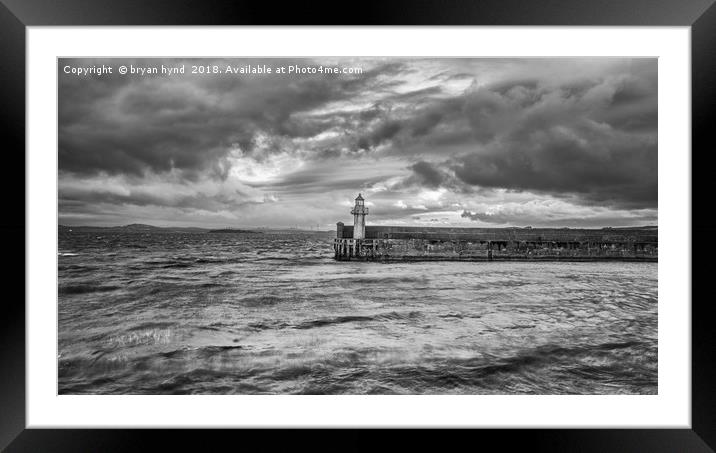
point(398, 243)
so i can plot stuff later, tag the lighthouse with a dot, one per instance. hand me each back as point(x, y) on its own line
point(359, 212)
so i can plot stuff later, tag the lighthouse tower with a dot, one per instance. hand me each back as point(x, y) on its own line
point(359, 212)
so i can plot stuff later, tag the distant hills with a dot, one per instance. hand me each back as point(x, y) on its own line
point(149, 228)
point(144, 228)
point(235, 231)
point(132, 228)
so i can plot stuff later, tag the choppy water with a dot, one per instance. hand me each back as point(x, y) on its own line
point(228, 313)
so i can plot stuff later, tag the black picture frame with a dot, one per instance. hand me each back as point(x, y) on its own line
point(16, 15)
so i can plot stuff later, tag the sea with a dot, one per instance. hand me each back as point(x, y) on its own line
point(273, 313)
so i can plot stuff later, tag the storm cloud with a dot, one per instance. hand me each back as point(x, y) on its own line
point(491, 141)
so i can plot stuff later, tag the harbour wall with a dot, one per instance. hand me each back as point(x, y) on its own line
point(398, 243)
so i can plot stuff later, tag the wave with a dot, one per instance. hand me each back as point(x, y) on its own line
point(85, 289)
point(328, 321)
point(213, 260)
point(166, 264)
point(212, 285)
point(390, 316)
point(176, 266)
point(459, 315)
point(292, 258)
point(323, 322)
point(152, 325)
point(97, 362)
point(547, 355)
point(201, 352)
point(259, 301)
point(383, 280)
point(268, 325)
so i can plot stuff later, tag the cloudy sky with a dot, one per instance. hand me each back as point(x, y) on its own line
point(463, 142)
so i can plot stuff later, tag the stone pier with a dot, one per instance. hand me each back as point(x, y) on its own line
point(396, 243)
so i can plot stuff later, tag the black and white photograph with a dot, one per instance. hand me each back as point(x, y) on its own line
point(357, 225)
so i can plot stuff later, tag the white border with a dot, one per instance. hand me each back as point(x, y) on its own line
point(670, 408)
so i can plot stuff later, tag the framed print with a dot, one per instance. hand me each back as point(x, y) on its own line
point(435, 217)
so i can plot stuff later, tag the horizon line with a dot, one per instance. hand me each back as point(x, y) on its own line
point(59, 225)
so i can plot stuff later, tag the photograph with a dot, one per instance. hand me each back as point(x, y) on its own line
point(357, 225)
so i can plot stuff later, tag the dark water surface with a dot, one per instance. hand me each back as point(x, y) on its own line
point(155, 313)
